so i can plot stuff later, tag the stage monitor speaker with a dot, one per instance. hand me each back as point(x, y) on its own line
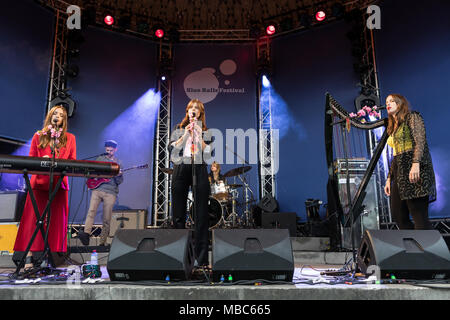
point(151, 254)
point(280, 220)
point(250, 254)
point(127, 219)
point(407, 254)
point(11, 205)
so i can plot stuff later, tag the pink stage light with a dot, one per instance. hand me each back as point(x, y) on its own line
point(320, 15)
point(159, 33)
point(270, 30)
point(109, 20)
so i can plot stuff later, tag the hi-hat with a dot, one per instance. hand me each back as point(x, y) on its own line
point(237, 171)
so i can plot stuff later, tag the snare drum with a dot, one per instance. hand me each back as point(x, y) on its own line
point(220, 191)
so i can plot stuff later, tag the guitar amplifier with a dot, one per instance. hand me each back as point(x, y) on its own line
point(11, 205)
point(127, 219)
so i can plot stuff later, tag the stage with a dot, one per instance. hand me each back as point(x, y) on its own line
point(308, 284)
point(172, 291)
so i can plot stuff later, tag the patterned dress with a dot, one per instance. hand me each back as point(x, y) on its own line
point(410, 145)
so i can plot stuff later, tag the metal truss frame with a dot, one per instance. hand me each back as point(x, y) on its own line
point(369, 79)
point(266, 133)
point(58, 80)
point(161, 180)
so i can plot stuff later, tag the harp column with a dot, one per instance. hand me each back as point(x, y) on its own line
point(161, 180)
point(267, 135)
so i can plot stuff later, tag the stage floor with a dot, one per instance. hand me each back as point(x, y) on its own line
point(307, 284)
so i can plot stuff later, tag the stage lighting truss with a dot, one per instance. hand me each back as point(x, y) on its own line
point(58, 74)
point(161, 180)
point(365, 66)
point(266, 133)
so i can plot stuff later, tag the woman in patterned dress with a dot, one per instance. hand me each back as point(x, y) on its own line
point(411, 183)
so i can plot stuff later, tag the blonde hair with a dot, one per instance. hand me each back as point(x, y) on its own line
point(44, 139)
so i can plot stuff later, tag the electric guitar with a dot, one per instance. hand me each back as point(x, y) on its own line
point(94, 183)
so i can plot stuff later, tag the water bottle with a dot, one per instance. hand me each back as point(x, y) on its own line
point(94, 258)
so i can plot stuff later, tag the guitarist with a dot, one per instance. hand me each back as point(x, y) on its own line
point(106, 192)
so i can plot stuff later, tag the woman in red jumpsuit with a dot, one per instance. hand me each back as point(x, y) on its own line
point(55, 124)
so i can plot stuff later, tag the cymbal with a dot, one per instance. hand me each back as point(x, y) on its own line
point(167, 170)
point(234, 185)
point(237, 171)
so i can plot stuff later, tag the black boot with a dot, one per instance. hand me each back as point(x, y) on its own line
point(84, 237)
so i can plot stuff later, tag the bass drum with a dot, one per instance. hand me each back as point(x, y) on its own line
point(215, 212)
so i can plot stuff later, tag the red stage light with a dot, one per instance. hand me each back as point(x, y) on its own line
point(109, 20)
point(159, 33)
point(320, 15)
point(270, 30)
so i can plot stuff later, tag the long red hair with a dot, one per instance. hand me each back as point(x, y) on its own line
point(403, 110)
point(44, 139)
point(201, 118)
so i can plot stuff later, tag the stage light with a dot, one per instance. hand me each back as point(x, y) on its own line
point(109, 20)
point(337, 10)
point(304, 19)
point(159, 33)
point(163, 78)
point(270, 30)
point(320, 15)
point(64, 99)
point(265, 81)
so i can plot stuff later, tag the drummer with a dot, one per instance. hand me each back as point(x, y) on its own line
point(215, 176)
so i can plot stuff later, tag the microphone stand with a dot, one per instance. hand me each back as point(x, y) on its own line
point(96, 156)
point(47, 251)
point(194, 174)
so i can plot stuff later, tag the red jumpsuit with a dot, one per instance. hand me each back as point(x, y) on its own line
point(57, 235)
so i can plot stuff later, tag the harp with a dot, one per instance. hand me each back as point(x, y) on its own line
point(338, 125)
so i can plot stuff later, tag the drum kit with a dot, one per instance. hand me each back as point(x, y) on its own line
point(224, 201)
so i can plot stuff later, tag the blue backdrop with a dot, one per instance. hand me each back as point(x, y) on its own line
point(116, 97)
point(307, 65)
point(413, 58)
point(26, 35)
point(222, 77)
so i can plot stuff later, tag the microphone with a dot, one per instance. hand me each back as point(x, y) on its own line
point(382, 107)
point(192, 115)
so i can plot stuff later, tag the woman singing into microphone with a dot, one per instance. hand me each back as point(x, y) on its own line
point(190, 170)
point(53, 136)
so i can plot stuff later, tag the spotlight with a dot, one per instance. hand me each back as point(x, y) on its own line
point(163, 78)
point(109, 20)
point(142, 26)
point(320, 15)
point(366, 98)
point(265, 81)
point(71, 70)
point(159, 33)
point(270, 30)
point(65, 100)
